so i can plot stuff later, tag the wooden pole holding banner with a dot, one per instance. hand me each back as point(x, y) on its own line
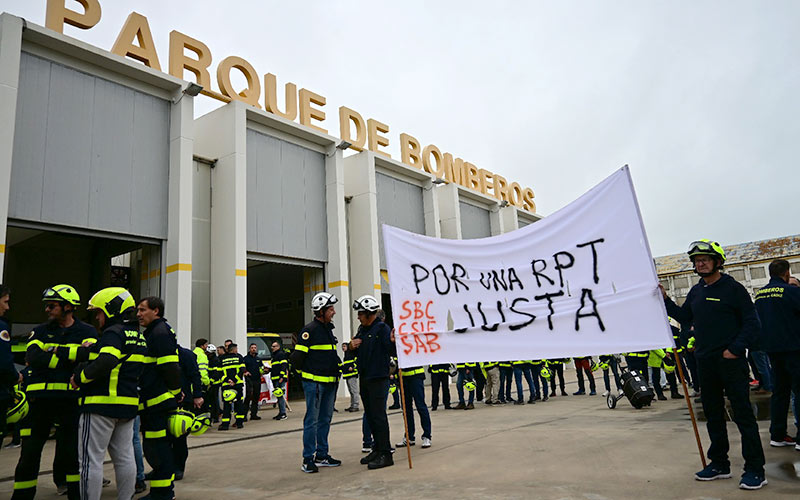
point(679, 364)
point(405, 417)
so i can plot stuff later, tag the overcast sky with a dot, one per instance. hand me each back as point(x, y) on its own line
point(700, 98)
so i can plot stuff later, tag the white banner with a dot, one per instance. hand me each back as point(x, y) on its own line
point(580, 282)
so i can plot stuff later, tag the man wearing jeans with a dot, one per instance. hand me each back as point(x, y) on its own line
point(279, 374)
point(316, 360)
point(725, 324)
point(414, 391)
point(778, 306)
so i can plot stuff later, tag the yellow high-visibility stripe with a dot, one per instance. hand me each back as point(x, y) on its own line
point(112, 351)
point(155, 434)
point(24, 432)
point(23, 485)
point(413, 372)
point(301, 348)
point(318, 378)
point(53, 361)
point(49, 386)
point(323, 347)
point(161, 483)
point(158, 399)
point(109, 400)
point(171, 358)
point(73, 478)
point(113, 380)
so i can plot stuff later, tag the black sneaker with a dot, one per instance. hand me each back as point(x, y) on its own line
point(282, 416)
point(381, 461)
point(394, 407)
point(369, 458)
point(255, 417)
point(239, 425)
point(309, 466)
point(223, 427)
point(328, 461)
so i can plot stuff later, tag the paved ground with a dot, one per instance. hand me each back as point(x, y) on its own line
point(567, 448)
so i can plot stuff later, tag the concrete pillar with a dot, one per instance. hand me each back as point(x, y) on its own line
point(430, 205)
point(365, 273)
point(449, 211)
point(10, 47)
point(337, 268)
point(509, 219)
point(178, 278)
point(222, 135)
point(495, 220)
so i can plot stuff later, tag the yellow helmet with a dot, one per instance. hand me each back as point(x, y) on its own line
point(113, 301)
point(706, 247)
point(200, 424)
point(229, 395)
point(19, 408)
point(392, 388)
point(469, 385)
point(180, 423)
point(62, 293)
point(545, 373)
point(278, 392)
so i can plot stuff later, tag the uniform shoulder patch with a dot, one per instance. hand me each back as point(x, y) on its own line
point(305, 336)
point(5, 336)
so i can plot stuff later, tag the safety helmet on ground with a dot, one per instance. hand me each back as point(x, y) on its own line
point(211, 348)
point(323, 300)
point(18, 409)
point(200, 424)
point(706, 247)
point(366, 303)
point(113, 301)
point(278, 392)
point(603, 365)
point(229, 395)
point(545, 373)
point(469, 385)
point(594, 367)
point(180, 423)
point(62, 293)
point(669, 368)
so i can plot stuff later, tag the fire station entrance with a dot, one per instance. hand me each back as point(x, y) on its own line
point(36, 259)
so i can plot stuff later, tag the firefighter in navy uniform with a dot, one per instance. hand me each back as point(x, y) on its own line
point(192, 388)
point(160, 394)
point(215, 379)
point(108, 394)
point(440, 376)
point(54, 349)
point(279, 373)
point(726, 325)
point(253, 371)
point(316, 360)
point(9, 377)
point(232, 366)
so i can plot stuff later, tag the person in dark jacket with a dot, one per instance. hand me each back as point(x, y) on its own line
point(725, 323)
point(778, 306)
point(192, 388)
point(9, 377)
point(253, 369)
point(316, 360)
point(374, 344)
point(279, 374)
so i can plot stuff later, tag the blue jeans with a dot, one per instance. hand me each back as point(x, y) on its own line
point(505, 384)
point(137, 450)
point(366, 432)
point(320, 398)
point(462, 376)
point(415, 390)
point(519, 371)
point(764, 369)
point(282, 399)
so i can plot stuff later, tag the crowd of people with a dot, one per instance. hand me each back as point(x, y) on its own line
point(127, 388)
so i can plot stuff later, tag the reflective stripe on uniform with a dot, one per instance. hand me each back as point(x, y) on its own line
point(109, 400)
point(155, 434)
point(301, 348)
point(109, 349)
point(49, 386)
point(22, 485)
point(318, 378)
point(323, 347)
point(156, 400)
point(171, 358)
point(24, 432)
point(53, 361)
point(73, 478)
point(413, 372)
point(161, 483)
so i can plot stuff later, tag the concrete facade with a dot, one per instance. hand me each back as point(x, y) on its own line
point(235, 218)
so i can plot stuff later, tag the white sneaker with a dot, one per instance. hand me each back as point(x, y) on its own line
point(366, 449)
point(605, 394)
point(426, 443)
point(403, 443)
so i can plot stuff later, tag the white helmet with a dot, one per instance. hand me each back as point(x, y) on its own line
point(323, 300)
point(366, 303)
point(211, 348)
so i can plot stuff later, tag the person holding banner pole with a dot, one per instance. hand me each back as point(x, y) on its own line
point(374, 344)
point(414, 394)
point(726, 324)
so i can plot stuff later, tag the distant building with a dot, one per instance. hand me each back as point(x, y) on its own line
point(747, 263)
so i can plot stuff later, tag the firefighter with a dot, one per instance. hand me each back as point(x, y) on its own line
point(9, 377)
point(192, 388)
point(108, 394)
point(253, 370)
point(725, 326)
point(440, 376)
point(233, 370)
point(215, 379)
point(201, 358)
point(54, 349)
point(279, 374)
point(350, 375)
point(160, 394)
point(316, 360)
